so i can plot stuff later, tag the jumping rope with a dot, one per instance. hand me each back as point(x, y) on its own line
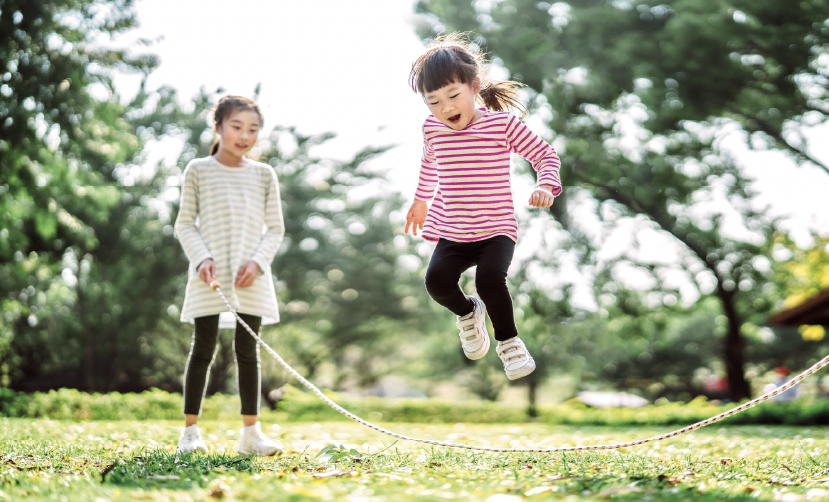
point(820, 364)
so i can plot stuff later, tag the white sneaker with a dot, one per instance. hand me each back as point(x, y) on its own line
point(517, 360)
point(474, 338)
point(256, 442)
point(190, 441)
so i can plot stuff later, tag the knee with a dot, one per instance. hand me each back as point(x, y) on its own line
point(247, 357)
point(487, 282)
point(202, 351)
point(436, 283)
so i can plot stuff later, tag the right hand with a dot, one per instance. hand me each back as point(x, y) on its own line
point(416, 216)
point(207, 270)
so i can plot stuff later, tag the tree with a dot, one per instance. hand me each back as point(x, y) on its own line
point(588, 68)
point(63, 155)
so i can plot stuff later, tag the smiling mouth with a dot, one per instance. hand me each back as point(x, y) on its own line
point(241, 147)
point(455, 118)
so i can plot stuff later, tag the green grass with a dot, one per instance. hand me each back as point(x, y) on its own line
point(128, 460)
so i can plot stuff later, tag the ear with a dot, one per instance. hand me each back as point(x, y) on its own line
point(218, 129)
point(476, 85)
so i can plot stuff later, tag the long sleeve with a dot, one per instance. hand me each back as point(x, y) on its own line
point(275, 227)
point(428, 174)
point(186, 230)
point(524, 142)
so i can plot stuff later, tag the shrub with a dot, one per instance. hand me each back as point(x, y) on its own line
point(298, 406)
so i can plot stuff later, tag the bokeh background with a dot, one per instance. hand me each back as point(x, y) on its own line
point(695, 161)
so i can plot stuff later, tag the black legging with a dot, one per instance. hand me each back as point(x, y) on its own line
point(203, 351)
point(493, 257)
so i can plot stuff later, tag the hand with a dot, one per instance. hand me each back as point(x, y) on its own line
point(207, 270)
point(542, 196)
point(247, 274)
point(416, 216)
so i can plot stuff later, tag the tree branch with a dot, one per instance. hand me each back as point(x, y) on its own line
point(778, 136)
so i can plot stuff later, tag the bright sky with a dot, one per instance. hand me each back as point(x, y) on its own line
point(333, 65)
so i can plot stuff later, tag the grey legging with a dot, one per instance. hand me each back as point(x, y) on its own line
point(203, 352)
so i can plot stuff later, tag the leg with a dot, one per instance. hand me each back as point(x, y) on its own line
point(202, 353)
point(248, 369)
point(445, 268)
point(494, 257)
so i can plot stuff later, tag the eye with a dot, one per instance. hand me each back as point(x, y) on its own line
point(455, 96)
point(433, 103)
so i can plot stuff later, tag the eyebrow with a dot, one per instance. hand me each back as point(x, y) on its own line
point(451, 89)
point(240, 122)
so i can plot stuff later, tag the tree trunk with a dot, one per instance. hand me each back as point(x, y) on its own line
point(738, 387)
point(733, 350)
point(89, 337)
point(532, 388)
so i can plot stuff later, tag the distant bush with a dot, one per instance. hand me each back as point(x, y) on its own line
point(298, 406)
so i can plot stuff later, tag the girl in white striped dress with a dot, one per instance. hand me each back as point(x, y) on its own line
point(466, 157)
point(230, 226)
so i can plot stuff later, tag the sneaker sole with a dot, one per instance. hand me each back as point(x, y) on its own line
point(247, 451)
point(523, 371)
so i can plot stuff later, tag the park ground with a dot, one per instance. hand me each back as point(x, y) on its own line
point(100, 461)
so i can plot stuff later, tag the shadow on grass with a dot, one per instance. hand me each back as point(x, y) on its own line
point(158, 468)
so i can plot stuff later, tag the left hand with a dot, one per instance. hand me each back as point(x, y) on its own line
point(542, 196)
point(247, 274)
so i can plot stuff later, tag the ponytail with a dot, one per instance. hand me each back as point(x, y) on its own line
point(452, 58)
point(502, 96)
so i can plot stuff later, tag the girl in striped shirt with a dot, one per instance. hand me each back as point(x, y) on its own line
point(230, 226)
point(466, 157)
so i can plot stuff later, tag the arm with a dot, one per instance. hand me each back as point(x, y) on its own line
point(542, 156)
point(425, 189)
point(272, 238)
point(186, 230)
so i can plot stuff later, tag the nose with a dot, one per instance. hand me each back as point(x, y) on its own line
point(449, 108)
point(244, 134)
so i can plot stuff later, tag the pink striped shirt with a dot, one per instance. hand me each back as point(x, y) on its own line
point(470, 169)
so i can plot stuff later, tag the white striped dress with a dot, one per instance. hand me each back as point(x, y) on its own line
point(232, 215)
point(471, 170)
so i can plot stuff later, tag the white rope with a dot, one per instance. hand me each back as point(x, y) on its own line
point(765, 397)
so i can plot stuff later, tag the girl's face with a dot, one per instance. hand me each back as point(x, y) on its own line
point(238, 132)
point(454, 104)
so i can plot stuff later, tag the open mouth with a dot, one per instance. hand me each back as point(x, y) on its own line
point(455, 118)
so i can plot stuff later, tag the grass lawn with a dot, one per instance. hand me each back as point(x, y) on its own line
point(64, 460)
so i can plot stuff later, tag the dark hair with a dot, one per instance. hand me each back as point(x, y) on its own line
point(227, 105)
point(449, 58)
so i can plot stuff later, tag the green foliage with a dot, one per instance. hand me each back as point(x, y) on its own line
point(297, 406)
